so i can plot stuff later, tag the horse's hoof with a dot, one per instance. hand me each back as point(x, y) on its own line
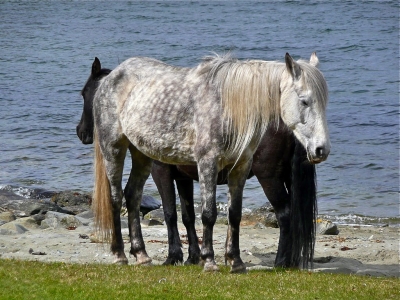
point(238, 269)
point(210, 266)
point(120, 261)
point(237, 265)
point(144, 261)
point(192, 261)
point(142, 258)
point(144, 264)
point(172, 262)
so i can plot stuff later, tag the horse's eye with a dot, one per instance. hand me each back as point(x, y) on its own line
point(304, 103)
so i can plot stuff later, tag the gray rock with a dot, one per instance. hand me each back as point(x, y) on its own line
point(40, 194)
point(156, 215)
point(28, 207)
point(4, 231)
point(73, 201)
point(28, 222)
point(88, 214)
point(12, 228)
point(84, 221)
point(149, 204)
point(150, 222)
point(326, 227)
point(7, 216)
point(264, 215)
point(60, 220)
point(70, 198)
point(21, 225)
point(39, 217)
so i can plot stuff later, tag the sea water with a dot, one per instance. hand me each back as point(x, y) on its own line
point(47, 48)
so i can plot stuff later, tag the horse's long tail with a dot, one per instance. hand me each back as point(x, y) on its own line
point(303, 208)
point(102, 207)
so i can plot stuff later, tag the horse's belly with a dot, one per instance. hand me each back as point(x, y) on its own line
point(168, 148)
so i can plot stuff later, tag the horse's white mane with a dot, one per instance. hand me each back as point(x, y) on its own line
point(250, 95)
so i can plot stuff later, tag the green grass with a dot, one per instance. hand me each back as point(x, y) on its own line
point(35, 280)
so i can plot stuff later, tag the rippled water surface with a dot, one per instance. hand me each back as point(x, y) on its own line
point(46, 51)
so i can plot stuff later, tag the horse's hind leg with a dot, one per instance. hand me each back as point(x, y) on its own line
point(236, 181)
point(185, 189)
point(114, 168)
point(163, 177)
point(141, 167)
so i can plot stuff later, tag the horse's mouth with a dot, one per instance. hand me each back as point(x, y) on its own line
point(85, 138)
point(315, 160)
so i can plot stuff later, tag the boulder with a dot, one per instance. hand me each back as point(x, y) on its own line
point(19, 226)
point(11, 229)
point(149, 204)
point(88, 214)
point(28, 207)
point(150, 222)
point(264, 215)
point(60, 220)
point(7, 216)
point(72, 201)
point(39, 217)
point(326, 227)
point(156, 216)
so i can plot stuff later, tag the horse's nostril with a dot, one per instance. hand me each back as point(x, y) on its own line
point(320, 152)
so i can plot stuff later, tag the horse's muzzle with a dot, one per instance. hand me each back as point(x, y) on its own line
point(318, 155)
point(85, 137)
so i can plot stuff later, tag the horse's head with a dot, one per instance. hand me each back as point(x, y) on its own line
point(84, 130)
point(304, 96)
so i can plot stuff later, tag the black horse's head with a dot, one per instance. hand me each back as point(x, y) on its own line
point(84, 130)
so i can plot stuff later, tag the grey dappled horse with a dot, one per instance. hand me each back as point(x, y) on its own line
point(280, 165)
point(214, 116)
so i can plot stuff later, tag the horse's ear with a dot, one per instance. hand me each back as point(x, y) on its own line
point(292, 67)
point(314, 61)
point(96, 67)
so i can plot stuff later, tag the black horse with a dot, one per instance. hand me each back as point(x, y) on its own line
point(280, 165)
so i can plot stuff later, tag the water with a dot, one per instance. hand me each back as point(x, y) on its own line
point(47, 49)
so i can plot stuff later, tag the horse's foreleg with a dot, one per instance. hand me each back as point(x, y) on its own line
point(141, 167)
point(236, 181)
point(278, 196)
point(207, 169)
point(185, 189)
point(163, 177)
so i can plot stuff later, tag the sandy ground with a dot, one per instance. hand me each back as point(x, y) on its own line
point(360, 250)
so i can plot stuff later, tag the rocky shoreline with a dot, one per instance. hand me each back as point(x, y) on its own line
point(60, 229)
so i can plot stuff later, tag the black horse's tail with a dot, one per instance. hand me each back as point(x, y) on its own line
point(303, 208)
